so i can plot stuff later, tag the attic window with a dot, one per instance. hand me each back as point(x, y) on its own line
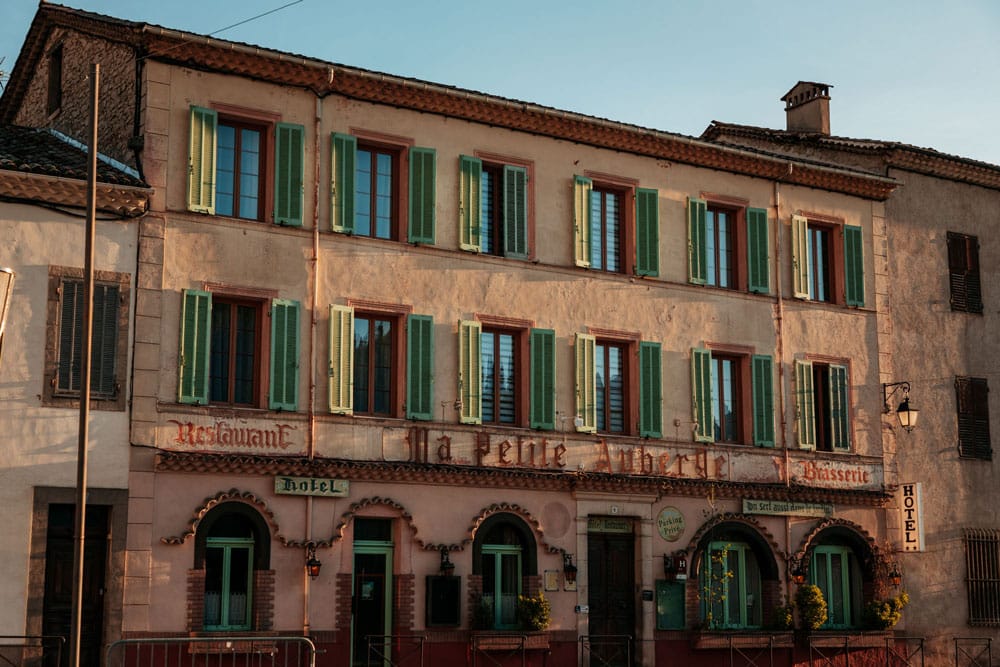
point(55, 79)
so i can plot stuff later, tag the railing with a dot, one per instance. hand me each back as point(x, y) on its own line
point(973, 652)
point(395, 651)
point(31, 650)
point(904, 651)
point(828, 650)
point(495, 648)
point(606, 650)
point(219, 651)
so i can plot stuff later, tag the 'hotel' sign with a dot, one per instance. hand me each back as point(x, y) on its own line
point(911, 517)
point(311, 486)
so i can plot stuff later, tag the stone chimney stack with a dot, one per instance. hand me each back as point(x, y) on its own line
point(807, 108)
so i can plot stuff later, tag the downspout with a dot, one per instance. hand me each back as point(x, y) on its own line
point(779, 350)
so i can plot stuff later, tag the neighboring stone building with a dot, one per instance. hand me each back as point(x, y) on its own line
point(42, 224)
point(938, 332)
point(386, 328)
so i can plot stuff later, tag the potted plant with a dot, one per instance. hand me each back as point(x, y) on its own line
point(812, 607)
point(885, 614)
point(534, 612)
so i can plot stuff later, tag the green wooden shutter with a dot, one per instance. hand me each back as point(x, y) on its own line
point(758, 261)
point(582, 187)
point(647, 232)
point(805, 405)
point(201, 160)
point(470, 209)
point(586, 383)
point(701, 395)
point(289, 146)
point(762, 379)
point(854, 266)
point(420, 367)
point(470, 379)
point(515, 211)
point(543, 378)
point(423, 172)
point(341, 371)
point(650, 390)
point(800, 257)
point(284, 355)
point(840, 432)
point(196, 331)
point(697, 241)
point(344, 149)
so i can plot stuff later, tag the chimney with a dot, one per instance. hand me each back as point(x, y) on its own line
point(807, 108)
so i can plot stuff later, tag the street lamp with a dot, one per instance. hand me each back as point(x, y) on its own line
point(907, 415)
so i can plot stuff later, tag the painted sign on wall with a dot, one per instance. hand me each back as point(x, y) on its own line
point(912, 516)
point(786, 508)
point(311, 486)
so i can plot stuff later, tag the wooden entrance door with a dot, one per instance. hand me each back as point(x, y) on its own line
point(372, 604)
point(611, 582)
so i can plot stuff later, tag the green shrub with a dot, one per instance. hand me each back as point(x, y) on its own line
point(812, 607)
point(782, 617)
point(885, 614)
point(534, 612)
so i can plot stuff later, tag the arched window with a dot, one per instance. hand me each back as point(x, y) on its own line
point(730, 586)
point(504, 553)
point(835, 570)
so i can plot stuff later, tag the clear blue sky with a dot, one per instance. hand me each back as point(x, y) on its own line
point(923, 72)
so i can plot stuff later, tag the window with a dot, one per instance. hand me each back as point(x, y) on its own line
point(607, 376)
point(731, 582)
point(972, 397)
point(109, 349)
point(827, 261)
point(55, 89)
point(603, 219)
point(501, 383)
point(822, 408)
point(367, 196)
point(367, 361)
point(733, 397)
point(229, 165)
point(503, 554)
point(982, 566)
point(222, 351)
point(963, 273)
point(493, 207)
point(728, 245)
point(835, 570)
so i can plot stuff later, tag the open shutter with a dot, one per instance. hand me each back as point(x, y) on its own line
point(201, 161)
point(758, 262)
point(196, 331)
point(840, 433)
point(586, 383)
point(650, 390)
point(470, 209)
point(800, 257)
point(647, 232)
point(344, 149)
point(470, 379)
point(515, 212)
point(543, 378)
point(423, 171)
point(284, 355)
point(805, 405)
point(762, 379)
point(289, 146)
point(701, 395)
point(582, 188)
point(341, 371)
point(697, 242)
point(420, 367)
point(854, 266)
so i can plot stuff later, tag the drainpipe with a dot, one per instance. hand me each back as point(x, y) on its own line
point(779, 349)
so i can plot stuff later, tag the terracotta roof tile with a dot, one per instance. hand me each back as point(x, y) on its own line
point(37, 151)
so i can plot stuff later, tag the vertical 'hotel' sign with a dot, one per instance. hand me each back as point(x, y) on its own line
point(912, 517)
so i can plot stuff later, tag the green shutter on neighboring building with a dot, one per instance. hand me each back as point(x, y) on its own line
point(762, 379)
point(701, 395)
point(650, 390)
point(758, 260)
point(543, 379)
point(697, 241)
point(647, 232)
point(423, 177)
point(854, 267)
point(196, 331)
point(289, 148)
point(420, 367)
point(284, 355)
point(343, 155)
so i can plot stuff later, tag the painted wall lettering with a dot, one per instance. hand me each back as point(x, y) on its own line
point(225, 435)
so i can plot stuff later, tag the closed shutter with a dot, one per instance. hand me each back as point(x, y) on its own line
point(650, 390)
point(963, 270)
point(344, 149)
point(470, 378)
point(805, 405)
point(840, 432)
point(420, 367)
point(582, 188)
point(201, 161)
point(647, 232)
point(701, 395)
point(758, 260)
point(341, 371)
point(196, 331)
point(470, 208)
point(289, 161)
point(762, 372)
point(800, 257)
point(586, 383)
point(515, 212)
point(103, 352)
point(423, 172)
point(284, 355)
point(697, 210)
point(972, 396)
point(854, 267)
point(543, 378)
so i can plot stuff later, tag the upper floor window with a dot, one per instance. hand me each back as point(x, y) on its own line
point(827, 261)
point(982, 562)
point(615, 226)
point(618, 385)
point(731, 581)
point(822, 406)
point(963, 273)
point(972, 397)
point(728, 245)
point(369, 194)
point(229, 166)
point(494, 206)
point(733, 397)
point(55, 82)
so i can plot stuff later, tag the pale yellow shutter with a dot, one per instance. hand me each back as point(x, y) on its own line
point(341, 360)
point(800, 257)
point(586, 383)
point(469, 372)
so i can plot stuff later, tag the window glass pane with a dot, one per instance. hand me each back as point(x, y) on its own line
point(383, 198)
point(382, 362)
point(725, 250)
point(612, 232)
point(361, 364)
point(219, 371)
point(616, 389)
point(373, 362)
point(724, 399)
point(596, 231)
point(249, 169)
point(239, 586)
point(246, 347)
point(225, 169)
point(363, 194)
point(487, 185)
point(710, 263)
point(488, 361)
point(510, 577)
point(505, 378)
point(213, 585)
point(372, 530)
point(489, 583)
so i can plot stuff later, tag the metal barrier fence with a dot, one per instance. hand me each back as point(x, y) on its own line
point(31, 650)
point(394, 651)
point(750, 649)
point(495, 649)
point(212, 652)
point(845, 650)
point(973, 652)
point(606, 650)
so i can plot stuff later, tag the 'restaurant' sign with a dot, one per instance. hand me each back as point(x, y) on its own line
point(311, 486)
point(911, 516)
